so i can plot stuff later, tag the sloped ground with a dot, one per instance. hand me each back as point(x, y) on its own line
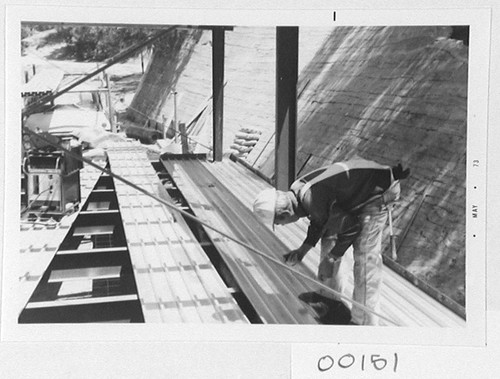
point(389, 94)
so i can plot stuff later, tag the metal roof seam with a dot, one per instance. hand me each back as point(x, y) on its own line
point(262, 263)
point(193, 263)
point(126, 199)
point(207, 291)
point(179, 178)
point(256, 234)
point(207, 181)
point(138, 173)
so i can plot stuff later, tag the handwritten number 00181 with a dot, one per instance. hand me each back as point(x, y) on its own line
point(347, 361)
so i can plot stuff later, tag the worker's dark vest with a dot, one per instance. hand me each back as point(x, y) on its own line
point(344, 224)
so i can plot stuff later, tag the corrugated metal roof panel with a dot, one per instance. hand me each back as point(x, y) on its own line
point(175, 279)
point(271, 290)
point(401, 300)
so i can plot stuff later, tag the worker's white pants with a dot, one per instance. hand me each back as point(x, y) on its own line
point(367, 266)
point(367, 253)
point(335, 280)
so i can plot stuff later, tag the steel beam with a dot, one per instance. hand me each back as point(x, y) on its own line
point(287, 48)
point(218, 90)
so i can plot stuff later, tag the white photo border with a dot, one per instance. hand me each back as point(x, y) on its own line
point(474, 334)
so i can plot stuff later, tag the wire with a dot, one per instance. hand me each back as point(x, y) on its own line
point(224, 234)
point(35, 199)
point(176, 131)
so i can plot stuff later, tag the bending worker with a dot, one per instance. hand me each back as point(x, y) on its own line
point(346, 203)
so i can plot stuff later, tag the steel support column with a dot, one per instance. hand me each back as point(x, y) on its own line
point(218, 90)
point(287, 47)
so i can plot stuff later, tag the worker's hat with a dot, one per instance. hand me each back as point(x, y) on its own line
point(264, 206)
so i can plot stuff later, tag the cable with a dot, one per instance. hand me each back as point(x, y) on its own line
point(207, 225)
point(35, 199)
point(176, 131)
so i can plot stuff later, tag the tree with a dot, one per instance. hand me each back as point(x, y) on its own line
point(100, 43)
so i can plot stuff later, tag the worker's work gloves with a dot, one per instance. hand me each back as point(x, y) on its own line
point(399, 173)
point(294, 257)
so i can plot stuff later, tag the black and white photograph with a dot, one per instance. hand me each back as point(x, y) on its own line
point(382, 109)
point(225, 179)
